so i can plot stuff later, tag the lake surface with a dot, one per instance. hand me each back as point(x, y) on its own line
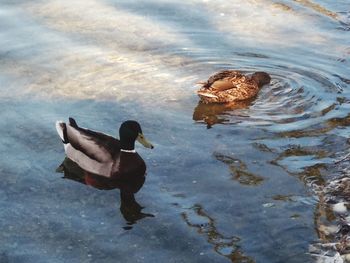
point(224, 184)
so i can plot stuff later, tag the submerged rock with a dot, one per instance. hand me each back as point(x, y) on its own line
point(333, 222)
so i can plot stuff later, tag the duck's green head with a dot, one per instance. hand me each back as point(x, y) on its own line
point(261, 78)
point(129, 132)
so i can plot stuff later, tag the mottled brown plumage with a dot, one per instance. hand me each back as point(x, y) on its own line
point(229, 86)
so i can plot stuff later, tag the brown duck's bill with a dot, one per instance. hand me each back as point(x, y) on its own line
point(141, 139)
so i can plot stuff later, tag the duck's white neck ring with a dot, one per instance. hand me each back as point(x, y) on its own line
point(128, 151)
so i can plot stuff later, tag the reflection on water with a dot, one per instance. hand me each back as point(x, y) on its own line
point(214, 113)
point(129, 207)
point(318, 8)
point(227, 246)
point(239, 171)
point(282, 197)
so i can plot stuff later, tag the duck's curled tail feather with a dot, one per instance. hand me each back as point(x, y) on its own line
point(62, 131)
point(72, 122)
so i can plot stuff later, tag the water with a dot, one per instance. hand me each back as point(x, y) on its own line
point(224, 184)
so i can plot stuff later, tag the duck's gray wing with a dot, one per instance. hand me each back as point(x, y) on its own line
point(97, 146)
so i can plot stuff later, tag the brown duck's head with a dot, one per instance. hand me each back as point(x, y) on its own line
point(129, 132)
point(261, 78)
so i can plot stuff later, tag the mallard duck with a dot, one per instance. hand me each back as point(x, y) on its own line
point(102, 155)
point(230, 86)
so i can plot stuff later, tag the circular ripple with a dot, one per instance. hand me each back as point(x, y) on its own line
point(297, 98)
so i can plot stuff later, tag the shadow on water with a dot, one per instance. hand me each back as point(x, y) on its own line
point(129, 207)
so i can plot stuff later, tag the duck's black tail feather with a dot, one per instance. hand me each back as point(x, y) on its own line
point(62, 131)
point(72, 122)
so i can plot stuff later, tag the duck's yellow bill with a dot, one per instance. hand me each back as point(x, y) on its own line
point(141, 139)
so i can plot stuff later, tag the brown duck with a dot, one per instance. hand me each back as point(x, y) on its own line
point(107, 158)
point(230, 86)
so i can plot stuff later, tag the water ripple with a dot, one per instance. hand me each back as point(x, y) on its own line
point(297, 98)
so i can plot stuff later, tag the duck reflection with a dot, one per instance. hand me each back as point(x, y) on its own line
point(129, 207)
point(216, 113)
